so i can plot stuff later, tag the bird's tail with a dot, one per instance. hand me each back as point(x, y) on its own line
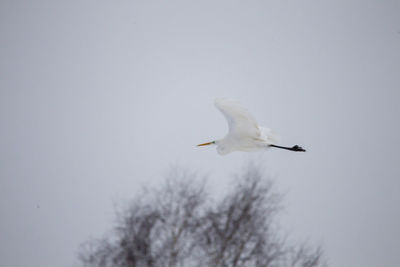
point(269, 135)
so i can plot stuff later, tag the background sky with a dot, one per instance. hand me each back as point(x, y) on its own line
point(98, 98)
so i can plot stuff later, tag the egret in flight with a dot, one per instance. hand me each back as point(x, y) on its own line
point(244, 132)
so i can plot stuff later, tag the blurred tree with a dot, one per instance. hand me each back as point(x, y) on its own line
point(177, 225)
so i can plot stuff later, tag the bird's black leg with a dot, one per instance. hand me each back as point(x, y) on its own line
point(293, 148)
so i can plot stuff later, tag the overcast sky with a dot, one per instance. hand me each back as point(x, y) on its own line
point(100, 97)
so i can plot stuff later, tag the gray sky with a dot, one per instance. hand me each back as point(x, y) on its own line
point(100, 97)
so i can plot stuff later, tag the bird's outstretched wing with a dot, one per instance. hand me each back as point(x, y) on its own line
point(241, 122)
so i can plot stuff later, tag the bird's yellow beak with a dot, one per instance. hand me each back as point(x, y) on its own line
point(206, 144)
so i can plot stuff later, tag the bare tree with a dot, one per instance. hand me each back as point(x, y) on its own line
point(239, 231)
point(177, 225)
point(156, 229)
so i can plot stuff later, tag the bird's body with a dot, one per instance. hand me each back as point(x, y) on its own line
point(244, 133)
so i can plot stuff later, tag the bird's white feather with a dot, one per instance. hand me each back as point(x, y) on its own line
point(269, 135)
point(241, 123)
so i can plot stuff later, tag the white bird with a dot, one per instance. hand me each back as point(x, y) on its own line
point(244, 132)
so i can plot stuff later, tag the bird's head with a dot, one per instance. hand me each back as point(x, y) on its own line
point(222, 147)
